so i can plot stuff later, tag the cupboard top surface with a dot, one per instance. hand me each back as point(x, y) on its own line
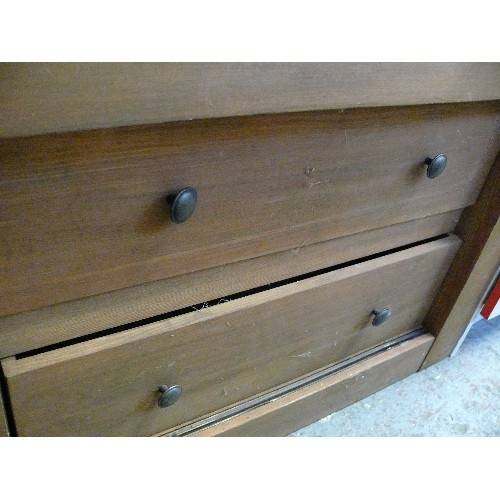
point(39, 98)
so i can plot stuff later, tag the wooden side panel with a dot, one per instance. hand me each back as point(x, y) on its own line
point(475, 265)
point(299, 408)
point(223, 354)
point(38, 98)
point(53, 324)
point(85, 213)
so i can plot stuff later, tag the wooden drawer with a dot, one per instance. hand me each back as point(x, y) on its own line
point(223, 354)
point(50, 325)
point(328, 393)
point(84, 213)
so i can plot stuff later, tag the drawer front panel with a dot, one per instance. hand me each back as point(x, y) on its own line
point(223, 354)
point(53, 324)
point(85, 213)
point(301, 407)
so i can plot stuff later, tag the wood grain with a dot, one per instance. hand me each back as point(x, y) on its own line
point(299, 408)
point(225, 353)
point(85, 213)
point(53, 324)
point(37, 98)
point(475, 266)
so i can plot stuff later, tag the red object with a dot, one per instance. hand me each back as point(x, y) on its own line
point(491, 302)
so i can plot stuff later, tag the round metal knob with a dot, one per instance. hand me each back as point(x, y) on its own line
point(169, 395)
point(182, 205)
point(435, 166)
point(380, 316)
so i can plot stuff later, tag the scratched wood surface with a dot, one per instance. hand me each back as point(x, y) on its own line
point(84, 213)
point(223, 354)
point(304, 406)
point(50, 325)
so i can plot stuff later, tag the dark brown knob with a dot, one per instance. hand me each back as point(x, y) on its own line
point(435, 166)
point(182, 205)
point(380, 315)
point(169, 395)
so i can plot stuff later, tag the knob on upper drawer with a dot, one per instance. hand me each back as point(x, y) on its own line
point(182, 204)
point(436, 165)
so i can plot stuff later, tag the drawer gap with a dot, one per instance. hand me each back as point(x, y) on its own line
point(7, 405)
point(217, 301)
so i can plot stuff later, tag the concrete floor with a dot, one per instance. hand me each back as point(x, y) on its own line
point(460, 396)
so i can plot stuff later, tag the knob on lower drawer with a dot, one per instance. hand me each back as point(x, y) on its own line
point(380, 315)
point(169, 395)
point(182, 204)
point(436, 165)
